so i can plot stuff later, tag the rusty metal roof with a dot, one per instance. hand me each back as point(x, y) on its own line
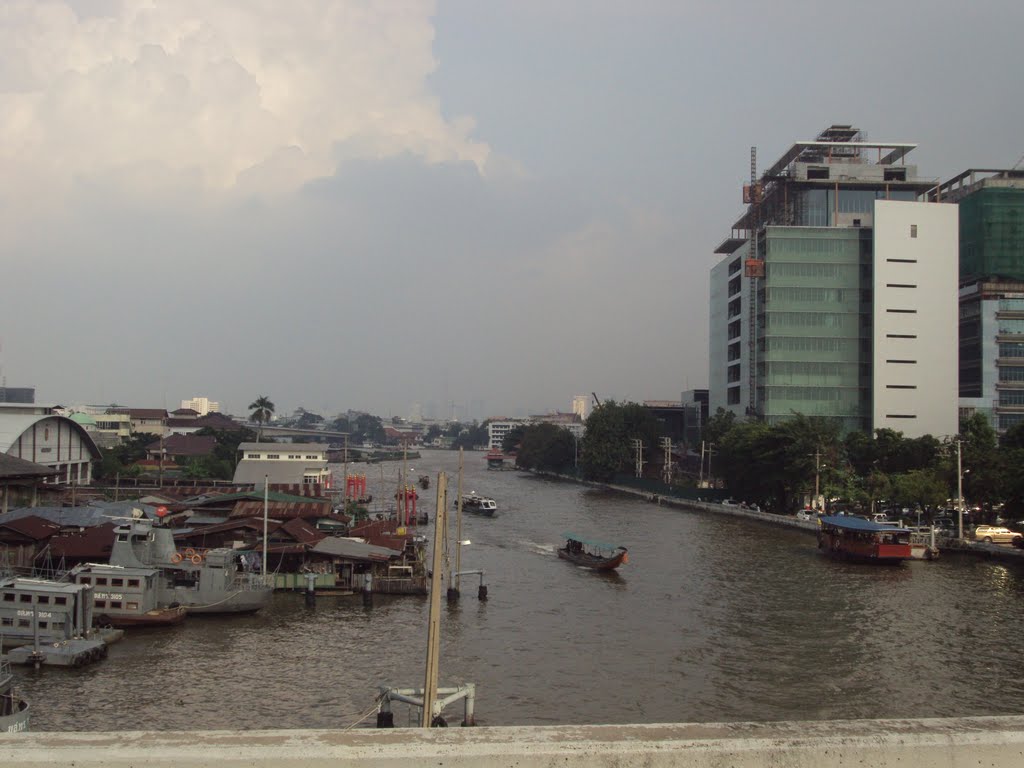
point(32, 527)
point(95, 543)
point(283, 509)
point(302, 531)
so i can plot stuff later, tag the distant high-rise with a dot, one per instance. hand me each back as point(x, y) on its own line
point(201, 405)
point(837, 293)
point(581, 406)
point(991, 205)
point(17, 395)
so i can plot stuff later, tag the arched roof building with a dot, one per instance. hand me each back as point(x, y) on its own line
point(35, 433)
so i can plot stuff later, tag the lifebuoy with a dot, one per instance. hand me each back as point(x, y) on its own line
point(189, 552)
point(196, 559)
point(176, 557)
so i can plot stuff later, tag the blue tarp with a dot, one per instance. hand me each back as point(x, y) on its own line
point(856, 524)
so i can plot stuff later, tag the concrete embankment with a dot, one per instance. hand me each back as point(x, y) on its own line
point(993, 742)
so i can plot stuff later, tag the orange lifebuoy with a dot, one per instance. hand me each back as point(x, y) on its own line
point(196, 559)
point(176, 557)
point(189, 552)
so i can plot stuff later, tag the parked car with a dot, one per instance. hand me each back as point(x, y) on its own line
point(996, 533)
point(805, 514)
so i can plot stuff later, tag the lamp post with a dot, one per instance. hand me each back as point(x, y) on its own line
point(959, 492)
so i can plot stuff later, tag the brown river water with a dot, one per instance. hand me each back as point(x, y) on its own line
point(713, 619)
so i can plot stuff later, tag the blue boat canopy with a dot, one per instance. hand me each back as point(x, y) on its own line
point(857, 524)
point(590, 542)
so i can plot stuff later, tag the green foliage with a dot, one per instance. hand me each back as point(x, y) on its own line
point(433, 432)
point(120, 458)
point(547, 447)
point(262, 411)
point(473, 436)
point(367, 429)
point(513, 439)
point(607, 447)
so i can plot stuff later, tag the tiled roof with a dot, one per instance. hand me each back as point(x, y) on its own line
point(283, 509)
point(302, 532)
point(185, 445)
point(141, 413)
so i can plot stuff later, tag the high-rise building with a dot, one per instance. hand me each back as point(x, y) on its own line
point(581, 406)
point(836, 293)
point(991, 206)
point(17, 394)
point(201, 405)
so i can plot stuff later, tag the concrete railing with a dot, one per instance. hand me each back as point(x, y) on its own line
point(993, 742)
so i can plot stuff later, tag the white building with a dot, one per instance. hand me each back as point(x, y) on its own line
point(36, 433)
point(837, 293)
point(283, 464)
point(201, 405)
point(581, 406)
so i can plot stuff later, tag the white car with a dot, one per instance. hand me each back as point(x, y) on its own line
point(805, 514)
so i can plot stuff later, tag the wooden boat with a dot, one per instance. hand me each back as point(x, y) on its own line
point(596, 555)
point(857, 539)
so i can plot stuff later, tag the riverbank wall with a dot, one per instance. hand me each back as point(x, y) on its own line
point(994, 742)
point(974, 548)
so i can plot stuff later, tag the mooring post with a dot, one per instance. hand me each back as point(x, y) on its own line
point(368, 589)
point(385, 717)
point(310, 589)
point(469, 719)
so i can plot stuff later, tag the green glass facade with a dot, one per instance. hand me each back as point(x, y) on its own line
point(992, 234)
point(814, 328)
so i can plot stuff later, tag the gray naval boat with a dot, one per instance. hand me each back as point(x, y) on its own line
point(216, 581)
point(14, 711)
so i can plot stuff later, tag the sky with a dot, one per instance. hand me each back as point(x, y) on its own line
point(481, 207)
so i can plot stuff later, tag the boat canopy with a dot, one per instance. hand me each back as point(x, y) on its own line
point(590, 542)
point(857, 524)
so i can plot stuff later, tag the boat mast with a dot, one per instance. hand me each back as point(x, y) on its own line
point(458, 529)
point(434, 622)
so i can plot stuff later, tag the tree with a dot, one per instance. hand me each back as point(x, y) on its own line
point(607, 444)
point(471, 437)
point(547, 447)
point(368, 429)
point(433, 432)
point(510, 443)
point(262, 411)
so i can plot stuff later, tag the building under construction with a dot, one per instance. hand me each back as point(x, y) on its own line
point(836, 292)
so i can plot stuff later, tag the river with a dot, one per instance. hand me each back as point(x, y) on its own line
point(713, 619)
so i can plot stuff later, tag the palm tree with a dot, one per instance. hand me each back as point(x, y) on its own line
point(262, 411)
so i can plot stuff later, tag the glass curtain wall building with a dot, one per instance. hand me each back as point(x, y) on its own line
point(991, 205)
point(793, 298)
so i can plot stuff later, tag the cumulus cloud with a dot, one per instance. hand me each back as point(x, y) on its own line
point(256, 95)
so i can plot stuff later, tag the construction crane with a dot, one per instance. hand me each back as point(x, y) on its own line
point(596, 401)
point(754, 270)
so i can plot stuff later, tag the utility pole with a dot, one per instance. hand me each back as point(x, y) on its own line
point(458, 529)
point(700, 475)
point(710, 451)
point(666, 443)
point(434, 622)
point(959, 492)
point(817, 475)
point(639, 446)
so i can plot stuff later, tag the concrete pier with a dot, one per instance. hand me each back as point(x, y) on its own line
point(993, 742)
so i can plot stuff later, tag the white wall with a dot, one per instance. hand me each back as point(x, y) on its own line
point(915, 312)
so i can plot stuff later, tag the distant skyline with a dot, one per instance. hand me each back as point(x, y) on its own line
point(368, 205)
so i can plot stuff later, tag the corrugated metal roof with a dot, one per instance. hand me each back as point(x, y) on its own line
point(230, 525)
point(354, 550)
point(302, 531)
point(66, 517)
point(93, 543)
point(13, 468)
point(283, 509)
point(33, 527)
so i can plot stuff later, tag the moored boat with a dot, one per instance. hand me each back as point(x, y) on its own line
point(857, 539)
point(596, 555)
point(14, 710)
point(126, 597)
point(215, 581)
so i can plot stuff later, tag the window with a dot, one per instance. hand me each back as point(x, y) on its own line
point(311, 456)
point(132, 606)
point(901, 386)
point(252, 455)
point(900, 285)
point(115, 604)
point(6, 621)
point(43, 625)
point(901, 335)
point(85, 580)
point(117, 582)
point(817, 173)
point(24, 598)
point(24, 623)
point(294, 456)
point(133, 582)
point(902, 311)
point(902, 261)
point(8, 597)
point(100, 603)
point(900, 416)
point(913, 230)
point(903, 362)
point(101, 581)
point(60, 600)
point(733, 396)
point(43, 599)
point(273, 456)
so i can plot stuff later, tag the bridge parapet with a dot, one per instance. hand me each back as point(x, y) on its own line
point(988, 741)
